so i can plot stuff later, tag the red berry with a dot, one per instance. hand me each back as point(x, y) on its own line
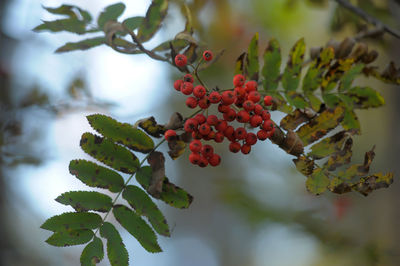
point(258, 109)
point(200, 118)
point(169, 134)
point(246, 149)
point(266, 115)
point(207, 151)
point(239, 102)
point(204, 129)
point(243, 116)
point(219, 137)
point(267, 125)
point(271, 132)
point(228, 97)
point(214, 97)
point(187, 88)
point(211, 135)
point(215, 160)
point(191, 102)
point(194, 158)
point(251, 86)
point(230, 115)
point(208, 55)
point(229, 131)
point(234, 147)
point(212, 120)
point(180, 60)
point(188, 78)
point(248, 105)
point(195, 145)
point(268, 100)
point(221, 125)
point(254, 96)
point(223, 108)
point(240, 92)
point(199, 91)
point(240, 133)
point(262, 134)
point(177, 84)
point(251, 138)
point(238, 80)
point(203, 161)
point(256, 120)
point(204, 103)
point(191, 125)
point(196, 135)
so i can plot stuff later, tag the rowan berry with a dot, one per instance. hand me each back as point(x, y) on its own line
point(203, 162)
point(228, 97)
point(187, 88)
point(240, 92)
point(180, 60)
point(221, 125)
point(234, 146)
point(256, 120)
point(191, 125)
point(266, 115)
point(211, 135)
point(194, 158)
point(245, 149)
point(169, 134)
point(214, 97)
point(208, 55)
point(223, 108)
point(271, 132)
point(239, 102)
point(229, 132)
point(199, 91)
point(191, 102)
point(268, 100)
point(195, 145)
point(240, 133)
point(267, 125)
point(204, 129)
point(258, 109)
point(248, 105)
point(204, 103)
point(188, 78)
point(207, 151)
point(230, 115)
point(196, 135)
point(262, 134)
point(215, 160)
point(200, 118)
point(177, 84)
point(254, 96)
point(251, 138)
point(251, 86)
point(238, 80)
point(219, 137)
point(212, 120)
point(243, 116)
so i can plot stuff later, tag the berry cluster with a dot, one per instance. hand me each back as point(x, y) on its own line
point(241, 104)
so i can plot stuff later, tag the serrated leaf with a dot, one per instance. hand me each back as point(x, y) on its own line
point(109, 153)
point(143, 205)
point(296, 99)
point(365, 97)
point(240, 64)
point(93, 253)
point(351, 122)
point(349, 76)
point(320, 125)
point(137, 227)
point(171, 194)
point(116, 250)
point(70, 237)
point(72, 221)
point(331, 99)
point(253, 65)
point(82, 45)
point(165, 46)
point(70, 25)
point(95, 175)
point(83, 201)
point(340, 157)
point(317, 182)
point(112, 12)
point(154, 16)
point(133, 23)
point(314, 101)
point(373, 182)
point(304, 165)
point(291, 75)
point(272, 64)
point(313, 78)
point(70, 11)
point(293, 120)
point(150, 126)
point(328, 146)
point(122, 133)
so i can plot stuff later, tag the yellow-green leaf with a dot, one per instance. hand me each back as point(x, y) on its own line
point(293, 120)
point(150, 126)
point(304, 165)
point(340, 157)
point(373, 182)
point(328, 145)
point(296, 99)
point(291, 76)
point(350, 121)
point(240, 64)
point(365, 97)
point(317, 182)
point(349, 76)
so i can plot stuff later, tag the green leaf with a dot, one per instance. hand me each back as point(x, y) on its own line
point(291, 76)
point(340, 157)
point(122, 133)
point(70, 237)
point(321, 125)
point(296, 99)
point(95, 175)
point(240, 64)
point(365, 97)
point(349, 76)
point(272, 64)
point(70, 25)
point(166, 46)
point(328, 146)
point(373, 182)
point(317, 182)
point(293, 120)
point(82, 45)
point(70, 11)
point(133, 23)
point(253, 66)
point(154, 16)
point(111, 12)
point(116, 250)
point(143, 205)
point(350, 121)
point(331, 100)
point(171, 194)
point(315, 102)
point(280, 102)
point(93, 253)
point(72, 221)
point(304, 165)
point(150, 126)
point(109, 153)
point(83, 201)
point(137, 227)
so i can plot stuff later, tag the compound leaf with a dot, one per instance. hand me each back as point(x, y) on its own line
point(83, 201)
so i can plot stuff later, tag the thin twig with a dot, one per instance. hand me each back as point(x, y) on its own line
point(368, 18)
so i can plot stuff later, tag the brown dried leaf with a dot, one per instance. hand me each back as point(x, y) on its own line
point(157, 163)
point(175, 121)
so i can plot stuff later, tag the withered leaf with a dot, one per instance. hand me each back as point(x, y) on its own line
point(304, 165)
point(157, 163)
point(293, 120)
point(150, 126)
point(341, 157)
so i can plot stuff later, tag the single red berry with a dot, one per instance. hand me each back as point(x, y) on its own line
point(228, 97)
point(230, 115)
point(187, 88)
point(256, 120)
point(245, 149)
point(240, 133)
point(266, 115)
point(234, 146)
point(239, 92)
point(223, 108)
point(212, 120)
point(229, 132)
point(194, 158)
point(204, 129)
point(268, 100)
point(199, 91)
point(180, 60)
point(188, 78)
point(191, 125)
point(214, 97)
point(204, 103)
point(258, 109)
point(251, 138)
point(271, 132)
point(262, 134)
point(169, 134)
point(239, 102)
point(238, 80)
point(254, 96)
point(243, 116)
point(219, 137)
point(191, 102)
point(211, 135)
point(248, 105)
point(200, 118)
point(221, 125)
point(208, 55)
point(203, 161)
point(207, 151)
point(177, 84)
point(195, 145)
point(196, 135)
point(215, 160)
point(251, 86)
point(267, 125)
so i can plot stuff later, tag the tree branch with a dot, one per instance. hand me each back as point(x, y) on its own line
point(368, 18)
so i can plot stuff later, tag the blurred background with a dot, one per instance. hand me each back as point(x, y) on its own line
point(251, 210)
